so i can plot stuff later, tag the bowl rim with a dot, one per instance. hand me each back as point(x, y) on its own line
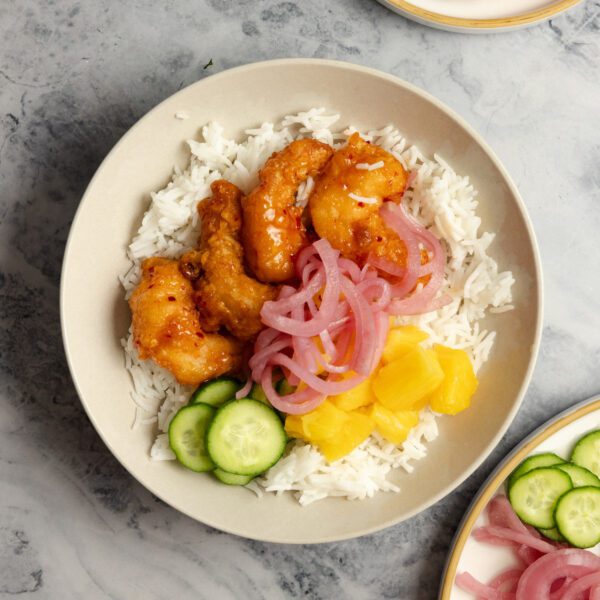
point(359, 69)
point(442, 21)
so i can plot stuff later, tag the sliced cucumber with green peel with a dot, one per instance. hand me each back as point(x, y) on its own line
point(577, 516)
point(533, 495)
point(587, 452)
point(246, 437)
point(232, 478)
point(216, 391)
point(186, 436)
point(547, 459)
point(257, 393)
point(580, 476)
point(552, 534)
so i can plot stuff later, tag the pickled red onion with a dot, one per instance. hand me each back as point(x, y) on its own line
point(501, 514)
point(273, 312)
point(538, 578)
point(413, 234)
point(508, 578)
point(333, 323)
point(583, 584)
point(244, 391)
point(466, 581)
point(490, 532)
point(551, 571)
point(336, 321)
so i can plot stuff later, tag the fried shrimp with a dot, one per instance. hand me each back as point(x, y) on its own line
point(273, 230)
point(345, 202)
point(166, 326)
point(225, 295)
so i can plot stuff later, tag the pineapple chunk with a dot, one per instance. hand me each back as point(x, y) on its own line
point(323, 422)
point(393, 426)
point(355, 431)
point(293, 427)
point(460, 381)
point(402, 340)
point(360, 395)
point(405, 383)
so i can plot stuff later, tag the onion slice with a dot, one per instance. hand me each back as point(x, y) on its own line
point(413, 234)
point(538, 578)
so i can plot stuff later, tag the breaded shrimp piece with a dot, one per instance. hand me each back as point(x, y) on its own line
point(353, 225)
point(225, 295)
point(273, 231)
point(166, 327)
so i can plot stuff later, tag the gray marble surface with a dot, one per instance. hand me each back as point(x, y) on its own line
point(74, 76)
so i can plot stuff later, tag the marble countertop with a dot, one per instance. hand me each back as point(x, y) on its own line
point(74, 76)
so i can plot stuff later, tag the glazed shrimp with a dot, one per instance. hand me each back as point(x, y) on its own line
point(225, 295)
point(344, 204)
point(166, 326)
point(273, 231)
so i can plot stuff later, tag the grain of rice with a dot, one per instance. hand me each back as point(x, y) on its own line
point(370, 166)
point(363, 199)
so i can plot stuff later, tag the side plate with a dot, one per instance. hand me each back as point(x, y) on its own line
point(461, 17)
point(556, 435)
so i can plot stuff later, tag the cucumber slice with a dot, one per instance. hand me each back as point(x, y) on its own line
point(587, 452)
point(533, 495)
point(232, 478)
point(552, 534)
point(547, 459)
point(216, 391)
point(257, 393)
point(186, 436)
point(577, 516)
point(580, 476)
point(246, 437)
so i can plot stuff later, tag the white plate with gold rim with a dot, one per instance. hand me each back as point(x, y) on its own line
point(479, 16)
point(485, 561)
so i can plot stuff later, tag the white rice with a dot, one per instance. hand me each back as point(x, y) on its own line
point(304, 191)
point(440, 199)
point(370, 167)
point(363, 199)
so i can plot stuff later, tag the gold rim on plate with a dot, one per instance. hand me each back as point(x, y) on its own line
point(491, 486)
point(527, 18)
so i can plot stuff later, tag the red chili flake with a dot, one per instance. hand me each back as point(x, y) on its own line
point(361, 204)
point(150, 286)
point(199, 334)
point(171, 298)
point(379, 238)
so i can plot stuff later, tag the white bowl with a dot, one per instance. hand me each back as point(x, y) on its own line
point(95, 315)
